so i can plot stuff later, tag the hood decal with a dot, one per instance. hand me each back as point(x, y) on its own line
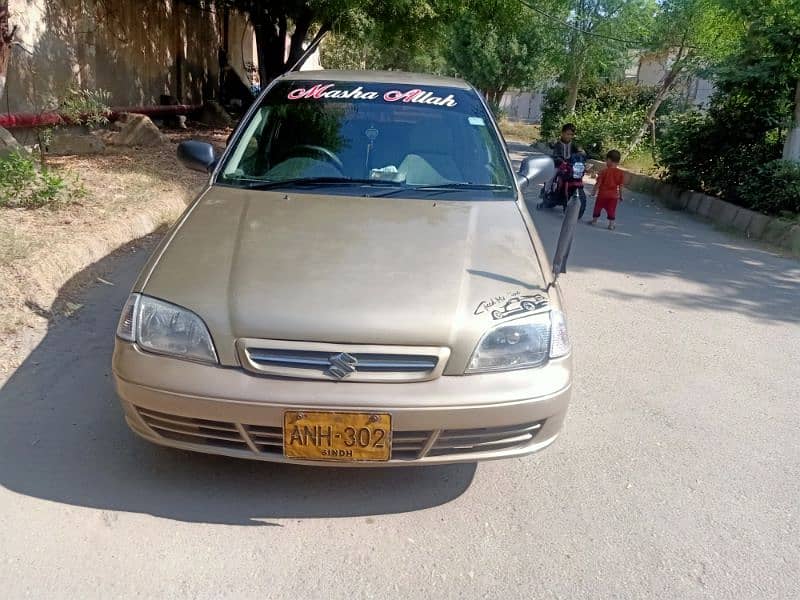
point(511, 304)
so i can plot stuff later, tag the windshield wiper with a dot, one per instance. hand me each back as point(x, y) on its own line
point(441, 188)
point(266, 184)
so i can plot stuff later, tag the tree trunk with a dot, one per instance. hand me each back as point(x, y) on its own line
point(6, 38)
point(791, 149)
point(650, 118)
point(575, 77)
point(270, 47)
point(301, 28)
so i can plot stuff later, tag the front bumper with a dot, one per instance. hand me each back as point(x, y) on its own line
point(229, 411)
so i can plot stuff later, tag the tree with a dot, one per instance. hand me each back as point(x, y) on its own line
point(766, 67)
point(496, 48)
point(304, 21)
point(690, 35)
point(600, 35)
point(6, 39)
point(393, 41)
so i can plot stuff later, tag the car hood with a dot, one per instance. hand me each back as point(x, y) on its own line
point(346, 269)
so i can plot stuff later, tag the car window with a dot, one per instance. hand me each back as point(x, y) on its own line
point(361, 131)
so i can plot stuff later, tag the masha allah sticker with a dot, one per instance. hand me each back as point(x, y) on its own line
point(322, 91)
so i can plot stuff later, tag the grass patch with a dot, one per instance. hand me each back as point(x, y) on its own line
point(123, 194)
point(24, 185)
point(12, 246)
point(519, 131)
point(642, 163)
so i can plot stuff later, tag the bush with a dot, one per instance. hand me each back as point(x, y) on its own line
point(22, 185)
point(700, 151)
point(553, 112)
point(774, 188)
point(86, 106)
point(684, 152)
point(606, 115)
point(601, 130)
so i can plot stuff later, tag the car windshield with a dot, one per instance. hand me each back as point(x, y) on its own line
point(397, 140)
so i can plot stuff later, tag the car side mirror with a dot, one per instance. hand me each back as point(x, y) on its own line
point(197, 155)
point(535, 169)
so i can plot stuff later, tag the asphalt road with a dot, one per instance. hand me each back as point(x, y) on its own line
point(677, 475)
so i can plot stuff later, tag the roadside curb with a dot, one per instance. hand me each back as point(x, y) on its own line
point(752, 225)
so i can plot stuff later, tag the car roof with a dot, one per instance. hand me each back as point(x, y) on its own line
point(398, 77)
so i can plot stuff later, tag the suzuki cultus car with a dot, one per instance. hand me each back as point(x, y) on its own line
point(360, 283)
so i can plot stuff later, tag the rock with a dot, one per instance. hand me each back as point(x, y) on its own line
point(65, 143)
point(214, 115)
point(137, 130)
point(8, 143)
point(106, 135)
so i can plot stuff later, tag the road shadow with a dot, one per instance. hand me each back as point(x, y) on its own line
point(713, 270)
point(63, 438)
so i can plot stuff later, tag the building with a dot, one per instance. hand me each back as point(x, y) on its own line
point(644, 69)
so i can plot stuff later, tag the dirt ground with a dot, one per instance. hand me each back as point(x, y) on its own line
point(130, 192)
point(519, 131)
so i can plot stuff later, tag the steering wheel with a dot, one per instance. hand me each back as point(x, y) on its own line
point(330, 156)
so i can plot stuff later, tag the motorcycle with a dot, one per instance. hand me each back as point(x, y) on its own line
point(567, 181)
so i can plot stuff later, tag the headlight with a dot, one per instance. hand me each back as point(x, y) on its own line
point(522, 344)
point(164, 328)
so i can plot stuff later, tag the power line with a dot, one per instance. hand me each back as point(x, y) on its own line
point(569, 25)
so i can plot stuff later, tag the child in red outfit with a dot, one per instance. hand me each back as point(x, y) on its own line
point(607, 190)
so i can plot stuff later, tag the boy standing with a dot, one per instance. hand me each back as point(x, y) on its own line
point(607, 190)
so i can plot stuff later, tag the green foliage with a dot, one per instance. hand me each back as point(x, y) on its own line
point(732, 150)
point(602, 36)
point(495, 48)
point(774, 188)
point(683, 150)
point(697, 33)
point(607, 116)
point(601, 130)
point(86, 106)
point(411, 43)
point(702, 152)
point(553, 116)
point(22, 185)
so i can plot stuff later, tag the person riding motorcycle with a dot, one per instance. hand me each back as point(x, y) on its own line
point(570, 162)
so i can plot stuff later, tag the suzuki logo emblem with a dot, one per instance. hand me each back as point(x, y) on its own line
point(342, 365)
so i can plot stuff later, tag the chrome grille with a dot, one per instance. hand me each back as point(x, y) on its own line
point(406, 445)
point(320, 361)
point(333, 362)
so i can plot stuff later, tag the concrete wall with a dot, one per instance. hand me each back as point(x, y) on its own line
point(137, 50)
point(651, 71)
point(522, 106)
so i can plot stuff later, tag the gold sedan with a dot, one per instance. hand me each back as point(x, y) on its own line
point(360, 283)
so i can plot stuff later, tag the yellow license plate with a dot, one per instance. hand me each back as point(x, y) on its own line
point(337, 436)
